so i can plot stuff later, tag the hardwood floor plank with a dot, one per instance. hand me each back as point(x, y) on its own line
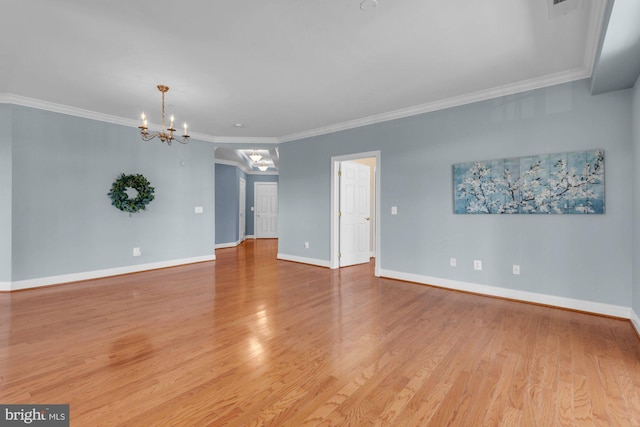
point(250, 340)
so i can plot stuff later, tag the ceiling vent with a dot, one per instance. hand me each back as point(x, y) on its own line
point(562, 7)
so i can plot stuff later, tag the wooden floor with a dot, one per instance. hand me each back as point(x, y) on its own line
point(248, 340)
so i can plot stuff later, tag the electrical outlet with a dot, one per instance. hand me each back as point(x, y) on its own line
point(452, 262)
point(137, 252)
point(516, 269)
point(199, 209)
point(306, 245)
point(477, 264)
point(394, 210)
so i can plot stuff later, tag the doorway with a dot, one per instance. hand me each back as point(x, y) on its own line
point(336, 234)
point(266, 210)
point(242, 210)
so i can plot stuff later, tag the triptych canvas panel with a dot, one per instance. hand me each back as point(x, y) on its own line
point(562, 183)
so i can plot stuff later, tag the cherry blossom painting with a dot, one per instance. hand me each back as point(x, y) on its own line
point(562, 183)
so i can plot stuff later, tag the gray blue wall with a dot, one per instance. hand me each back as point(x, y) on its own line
point(62, 218)
point(5, 193)
point(227, 203)
point(636, 198)
point(582, 257)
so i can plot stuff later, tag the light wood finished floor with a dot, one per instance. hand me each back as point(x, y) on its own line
point(248, 340)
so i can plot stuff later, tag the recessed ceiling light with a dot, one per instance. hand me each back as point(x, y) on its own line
point(368, 4)
point(238, 125)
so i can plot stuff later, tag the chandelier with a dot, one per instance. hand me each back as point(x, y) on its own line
point(263, 166)
point(166, 134)
point(255, 156)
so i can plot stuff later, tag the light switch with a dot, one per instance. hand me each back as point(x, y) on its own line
point(199, 209)
point(394, 210)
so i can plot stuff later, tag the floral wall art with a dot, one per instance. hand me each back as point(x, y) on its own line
point(562, 183)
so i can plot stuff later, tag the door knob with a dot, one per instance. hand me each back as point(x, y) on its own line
point(367, 218)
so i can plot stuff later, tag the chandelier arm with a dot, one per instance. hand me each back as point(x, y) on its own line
point(149, 136)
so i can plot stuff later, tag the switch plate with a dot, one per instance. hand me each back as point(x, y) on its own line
point(137, 252)
point(199, 209)
point(452, 262)
point(306, 245)
point(477, 264)
point(394, 210)
point(516, 269)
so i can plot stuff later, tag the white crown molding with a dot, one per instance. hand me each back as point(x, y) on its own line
point(483, 95)
point(274, 173)
point(551, 300)
point(8, 98)
point(594, 35)
point(88, 275)
point(304, 260)
point(456, 101)
point(235, 139)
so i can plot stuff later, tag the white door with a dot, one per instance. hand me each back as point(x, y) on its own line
point(266, 209)
point(355, 214)
point(242, 210)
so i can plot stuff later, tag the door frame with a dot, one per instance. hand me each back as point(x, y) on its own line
point(242, 198)
point(255, 210)
point(335, 203)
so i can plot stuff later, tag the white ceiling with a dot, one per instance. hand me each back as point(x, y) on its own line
point(287, 68)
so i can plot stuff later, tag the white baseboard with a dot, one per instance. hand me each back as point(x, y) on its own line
point(228, 245)
point(312, 261)
point(573, 304)
point(635, 321)
point(88, 275)
point(233, 244)
point(250, 236)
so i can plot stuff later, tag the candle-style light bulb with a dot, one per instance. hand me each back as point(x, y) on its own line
point(144, 120)
point(171, 122)
point(185, 129)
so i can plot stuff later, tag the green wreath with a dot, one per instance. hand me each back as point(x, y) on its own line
point(121, 200)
